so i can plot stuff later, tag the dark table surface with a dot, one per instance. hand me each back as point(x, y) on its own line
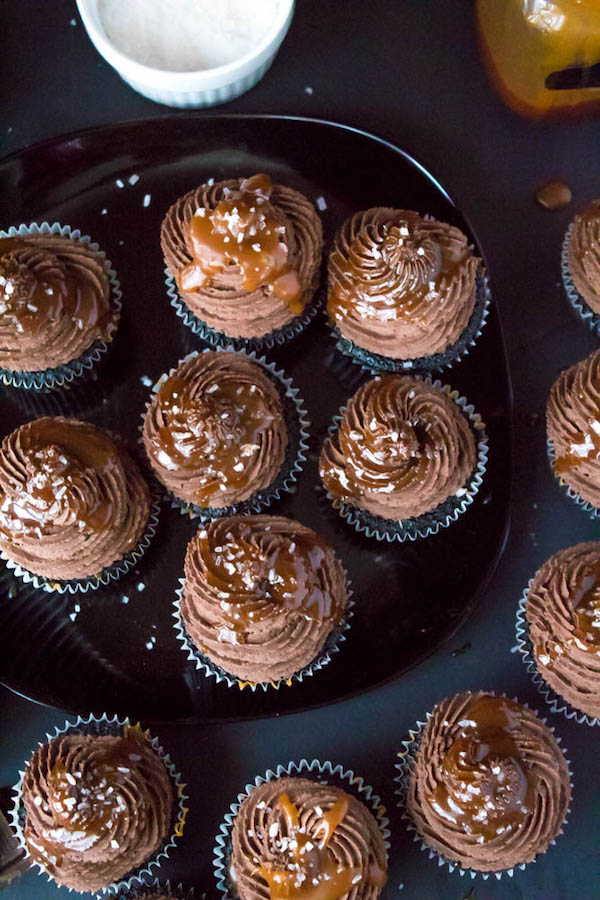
point(409, 71)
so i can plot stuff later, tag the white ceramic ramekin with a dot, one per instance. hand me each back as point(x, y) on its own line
point(207, 87)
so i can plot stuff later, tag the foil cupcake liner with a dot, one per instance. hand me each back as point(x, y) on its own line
point(444, 514)
point(111, 725)
point(578, 303)
point(556, 703)
point(204, 664)
point(405, 766)
point(592, 511)
point(327, 774)
point(218, 339)
point(63, 375)
point(437, 362)
point(156, 889)
point(109, 574)
point(297, 424)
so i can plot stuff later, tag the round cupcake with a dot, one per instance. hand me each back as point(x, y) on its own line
point(224, 432)
point(581, 264)
point(245, 255)
point(56, 310)
point(404, 459)
point(263, 598)
point(573, 425)
point(404, 291)
point(72, 502)
point(94, 808)
point(562, 610)
point(488, 788)
point(292, 829)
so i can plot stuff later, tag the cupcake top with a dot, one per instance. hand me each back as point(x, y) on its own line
point(215, 432)
point(401, 285)
point(54, 301)
point(583, 254)
point(294, 837)
point(72, 501)
point(261, 595)
point(573, 423)
point(402, 448)
point(96, 807)
point(490, 787)
point(563, 612)
point(245, 254)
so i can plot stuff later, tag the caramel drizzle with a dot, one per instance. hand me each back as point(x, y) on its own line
point(585, 613)
point(243, 230)
point(584, 445)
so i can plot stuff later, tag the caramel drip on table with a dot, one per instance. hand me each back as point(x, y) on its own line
point(483, 787)
point(244, 230)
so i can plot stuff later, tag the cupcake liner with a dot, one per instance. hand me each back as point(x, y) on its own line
point(329, 774)
point(405, 767)
point(437, 362)
point(217, 339)
point(203, 664)
point(297, 424)
point(556, 703)
point(579, 304)
point(157, 887)
point(112, 725)
point(444, 514)
point(107, 575)
point(592, 511)
point(65, 374)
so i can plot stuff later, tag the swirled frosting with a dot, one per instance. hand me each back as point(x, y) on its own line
point(261, 595)
point(402, 448)
point(583, 254)
point(96, 807)
point(294, 837)
point(400, 285)
point(563, 612)
point(246, 254)
point(215, 432)
point(54, 301)
point(573, 423)
point(490, 786)
point(72, 502)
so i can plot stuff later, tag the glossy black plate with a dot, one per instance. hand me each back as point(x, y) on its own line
point(116, 649)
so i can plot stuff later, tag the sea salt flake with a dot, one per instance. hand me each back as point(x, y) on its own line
point(147, 199)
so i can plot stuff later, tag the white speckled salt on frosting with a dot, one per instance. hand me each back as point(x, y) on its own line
point(187, 35)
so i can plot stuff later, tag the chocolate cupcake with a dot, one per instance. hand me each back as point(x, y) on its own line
point(485, 783)
point(264, 599)
point(245, 256)
point(404, 291)
point(74, 507)
point(573, 425)
point(581, 264)
point(291, 829)
point(59, 305)
point(224, 432)
point(562, 612)
point(405, 458)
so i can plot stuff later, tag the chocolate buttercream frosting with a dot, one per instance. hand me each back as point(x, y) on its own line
point(54, 301)
point(97, 807)
point(583, 254)
point(563, 612)
point(261, 595)
point(245, 253)
point(294, 837)
point(72, 501)
point(401, 449)
point(490, 787)
point(215, 430)
point(573, 423)
point(400, 285)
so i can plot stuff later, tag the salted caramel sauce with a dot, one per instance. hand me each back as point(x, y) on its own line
point(243, 230)
point(29, 302)
point(483, 787)
point(584, 445)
